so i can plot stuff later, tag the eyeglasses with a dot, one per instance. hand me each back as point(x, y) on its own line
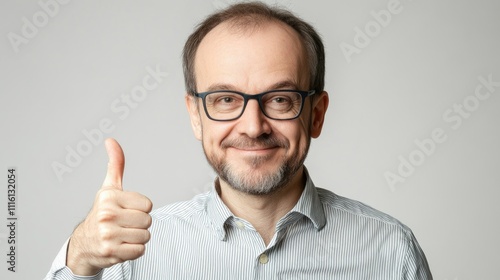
point(228, 105)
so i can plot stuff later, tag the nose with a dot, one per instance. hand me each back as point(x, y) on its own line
point(253, 122)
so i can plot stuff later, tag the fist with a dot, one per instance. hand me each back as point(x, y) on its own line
point(116, 229)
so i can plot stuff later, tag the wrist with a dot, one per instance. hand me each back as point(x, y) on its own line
point(77, 259)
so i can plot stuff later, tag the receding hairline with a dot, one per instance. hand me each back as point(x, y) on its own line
point(239, 26)
point(248, 17)
point(246, 21)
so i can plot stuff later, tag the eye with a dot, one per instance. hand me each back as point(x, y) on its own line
point(225, 99)
point(280, 99)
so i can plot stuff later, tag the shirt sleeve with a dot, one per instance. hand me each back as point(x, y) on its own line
point(59, 270)
point(415, 264)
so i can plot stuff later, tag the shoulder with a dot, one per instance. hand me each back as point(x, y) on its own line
point(355, 212)
point(374, 232)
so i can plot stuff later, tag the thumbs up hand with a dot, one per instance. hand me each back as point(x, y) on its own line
point(116, 229)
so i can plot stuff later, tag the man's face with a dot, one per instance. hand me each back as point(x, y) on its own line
point(253, 154)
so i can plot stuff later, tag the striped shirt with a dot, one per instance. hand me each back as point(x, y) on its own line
point(325, 236)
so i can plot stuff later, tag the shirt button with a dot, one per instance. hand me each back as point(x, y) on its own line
point(263, 259)
point(240, 225)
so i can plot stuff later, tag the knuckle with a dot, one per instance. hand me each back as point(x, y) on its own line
point(149, 221)
point(105, 215)
point(139, 250)
point(114, 260)
point(147, 236)
point(105, 233)
point(106, 196)
point(107, 251)
point(148, 204)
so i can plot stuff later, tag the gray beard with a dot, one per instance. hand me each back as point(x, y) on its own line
point(255, 184)
point(258, 183)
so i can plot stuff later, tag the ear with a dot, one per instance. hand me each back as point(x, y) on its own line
point(319, 107)
point(194, 115)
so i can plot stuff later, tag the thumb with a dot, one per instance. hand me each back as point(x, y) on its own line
point(116, 164)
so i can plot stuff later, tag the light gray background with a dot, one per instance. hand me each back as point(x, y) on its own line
point(396, 90)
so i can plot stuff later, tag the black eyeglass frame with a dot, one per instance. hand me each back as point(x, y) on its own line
point(257, 97)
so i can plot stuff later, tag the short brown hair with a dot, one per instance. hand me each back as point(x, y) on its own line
point(253, 13)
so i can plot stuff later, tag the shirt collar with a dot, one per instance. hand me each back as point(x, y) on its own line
point(308, 205)
point(217, 211)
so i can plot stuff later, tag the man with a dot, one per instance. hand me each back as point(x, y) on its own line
point(254, 78)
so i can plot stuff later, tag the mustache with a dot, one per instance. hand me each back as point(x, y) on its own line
point(263, 141)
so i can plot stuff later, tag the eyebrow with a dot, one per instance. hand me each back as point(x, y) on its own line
point(286, 84)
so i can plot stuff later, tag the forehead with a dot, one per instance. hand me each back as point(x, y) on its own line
point(251, 58)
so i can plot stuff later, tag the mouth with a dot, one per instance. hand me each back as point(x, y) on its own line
point(254, 151)
point(255, 148)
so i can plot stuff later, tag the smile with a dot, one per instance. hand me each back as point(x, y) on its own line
point(255, 150)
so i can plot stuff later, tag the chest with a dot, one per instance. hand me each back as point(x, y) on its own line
point(300, 252)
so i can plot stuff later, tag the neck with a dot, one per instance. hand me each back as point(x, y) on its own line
point(264, 211)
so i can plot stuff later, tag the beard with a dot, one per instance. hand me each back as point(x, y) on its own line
point(256, 180)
